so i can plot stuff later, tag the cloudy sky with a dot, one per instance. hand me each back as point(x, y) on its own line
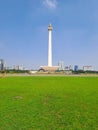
point(24, 34)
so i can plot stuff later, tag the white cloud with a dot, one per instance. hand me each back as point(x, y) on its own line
point(52, 4)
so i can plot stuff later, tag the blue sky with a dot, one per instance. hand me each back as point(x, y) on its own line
point(24, 34)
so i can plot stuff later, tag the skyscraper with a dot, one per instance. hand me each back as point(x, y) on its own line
point(2, 65)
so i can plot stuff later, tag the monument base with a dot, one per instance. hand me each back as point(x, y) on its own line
point(49, 68)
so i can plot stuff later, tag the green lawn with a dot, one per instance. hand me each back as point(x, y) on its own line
point(49, 103)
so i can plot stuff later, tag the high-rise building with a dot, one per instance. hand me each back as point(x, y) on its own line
point(61, 65)
point(76, 68)
point(2, 64)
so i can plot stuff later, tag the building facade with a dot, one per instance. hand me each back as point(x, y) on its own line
point(2, 64)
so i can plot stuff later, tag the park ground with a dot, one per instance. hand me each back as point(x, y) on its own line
point(49, 103)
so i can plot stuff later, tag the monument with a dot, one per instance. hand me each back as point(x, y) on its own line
point(50, 45)
point(50, 67)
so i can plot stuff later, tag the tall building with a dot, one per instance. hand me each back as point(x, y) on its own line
point(61, 65)
point(2, 64)
point(76, 68)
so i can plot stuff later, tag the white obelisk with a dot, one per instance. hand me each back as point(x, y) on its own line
point(50, 46)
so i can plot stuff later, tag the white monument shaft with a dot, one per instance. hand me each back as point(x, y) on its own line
point(49, 68)
point(50, 46)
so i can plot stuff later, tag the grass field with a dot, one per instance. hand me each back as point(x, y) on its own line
point(49, 103)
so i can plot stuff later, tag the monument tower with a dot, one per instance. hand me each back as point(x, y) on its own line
point(50, 67)
point(50, 45)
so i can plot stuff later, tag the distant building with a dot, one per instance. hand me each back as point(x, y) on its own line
point(2, 64)
point(66, 67)
point(88, 68)
point(70, 67)
point(76, 68)
point(18, 67)
point(61, 65)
